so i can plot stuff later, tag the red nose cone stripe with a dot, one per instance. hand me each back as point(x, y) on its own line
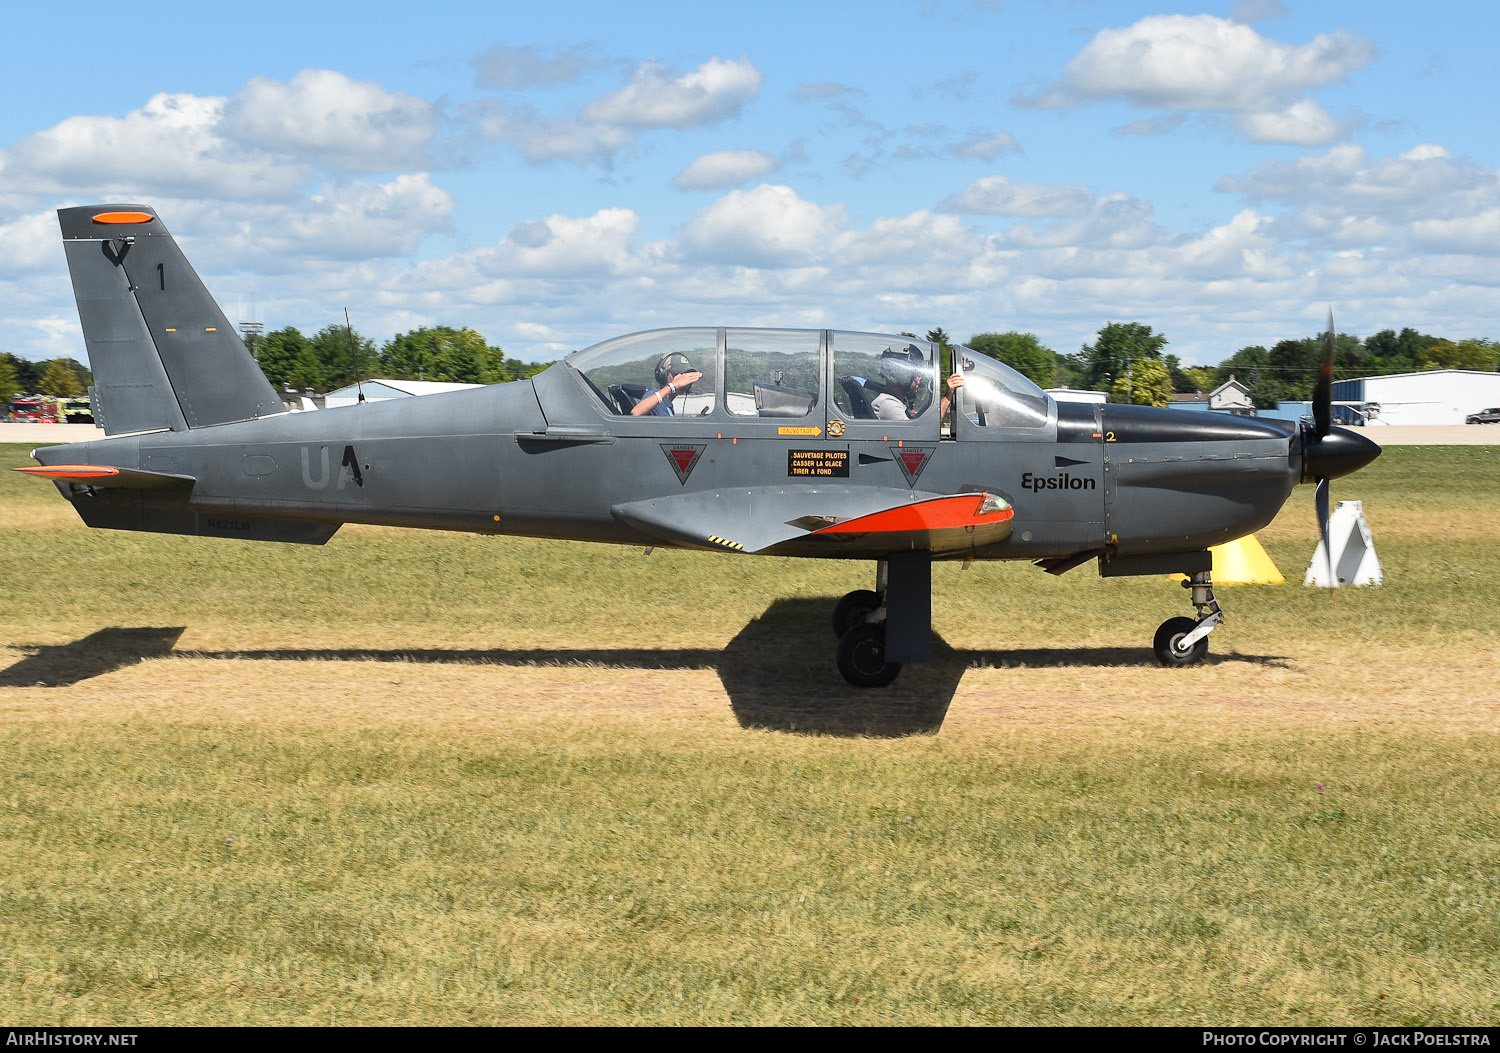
point(124, 217)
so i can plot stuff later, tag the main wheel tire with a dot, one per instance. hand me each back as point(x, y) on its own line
point(1171, 631)
point(861, 657)
point(852, 609)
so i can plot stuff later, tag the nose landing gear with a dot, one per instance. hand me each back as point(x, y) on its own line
point(1184, 641)
point(859, 623)
point(880, 630)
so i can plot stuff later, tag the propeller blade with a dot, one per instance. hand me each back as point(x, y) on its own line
point(1320, 499)
point(1323, 389)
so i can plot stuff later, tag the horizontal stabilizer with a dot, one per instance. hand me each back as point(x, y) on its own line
point(164, 513)
point(101, 475)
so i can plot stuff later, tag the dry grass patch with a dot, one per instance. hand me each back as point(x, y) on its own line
point(425, 778)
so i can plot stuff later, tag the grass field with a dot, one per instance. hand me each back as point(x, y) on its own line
point(412, 777)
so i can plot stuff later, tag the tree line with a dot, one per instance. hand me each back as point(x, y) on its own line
point(1128, 360)
point(336, 356)
point(55, 376)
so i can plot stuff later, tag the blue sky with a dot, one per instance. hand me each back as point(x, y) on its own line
point(556, 174)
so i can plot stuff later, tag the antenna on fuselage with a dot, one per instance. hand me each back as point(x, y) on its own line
point(353, 357)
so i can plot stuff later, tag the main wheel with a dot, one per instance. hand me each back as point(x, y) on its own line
point(1167, 637)
point(861, 656)
point(852, 609)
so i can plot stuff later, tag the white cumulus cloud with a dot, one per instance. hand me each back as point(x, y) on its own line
point(724, 168)
point(175, 144)
point(769, 226)
point(656, 98)
point(1201, 62)
point(996, 195)
point(332, 119)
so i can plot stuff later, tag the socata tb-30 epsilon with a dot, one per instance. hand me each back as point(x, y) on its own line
point(780, 442)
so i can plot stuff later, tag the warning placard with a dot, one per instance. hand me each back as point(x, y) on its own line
point(825, 464)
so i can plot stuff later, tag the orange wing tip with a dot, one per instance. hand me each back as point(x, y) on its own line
point(71, 471)
point(123, 217)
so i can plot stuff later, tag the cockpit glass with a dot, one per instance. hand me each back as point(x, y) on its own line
point(996, 396)
point(630, 373)
point(882, 377)
point(771, 372)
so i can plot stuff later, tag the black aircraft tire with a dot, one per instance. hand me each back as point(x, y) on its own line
point(851, 610)
point(861, 657)
point(1172, 630)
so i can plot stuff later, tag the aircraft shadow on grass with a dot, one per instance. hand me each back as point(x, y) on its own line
point(776, 670)
point(63, 665)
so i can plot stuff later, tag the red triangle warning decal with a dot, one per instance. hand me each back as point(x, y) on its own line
point(683, 457)
point(911, 460)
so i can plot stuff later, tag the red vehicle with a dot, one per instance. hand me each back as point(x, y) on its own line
point(37, 409)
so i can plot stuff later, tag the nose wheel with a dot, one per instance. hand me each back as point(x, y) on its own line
point(1184, 641)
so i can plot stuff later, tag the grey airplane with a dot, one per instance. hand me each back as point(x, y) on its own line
point(786, 442)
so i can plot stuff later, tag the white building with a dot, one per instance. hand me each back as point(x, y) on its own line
point(1077, 395)
point(1439, 396)
point(379, 390)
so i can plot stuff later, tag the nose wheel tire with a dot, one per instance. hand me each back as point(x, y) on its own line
point(852, 609)
point(861, 657)
point(1167, 637)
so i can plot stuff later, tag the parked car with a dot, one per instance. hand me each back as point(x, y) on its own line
point(1484, 416)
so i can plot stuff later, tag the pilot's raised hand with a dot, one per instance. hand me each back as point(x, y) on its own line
point(955, 382)
point(682, 380)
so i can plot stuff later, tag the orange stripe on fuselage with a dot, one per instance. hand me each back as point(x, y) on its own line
point(939, 513)
point(72, 471)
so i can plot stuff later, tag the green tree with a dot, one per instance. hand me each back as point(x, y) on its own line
point(458, 356)
point(10, 384)
point(58, 379)
point(1147, 383)
point(28, 376)
point(1201, 378)
point(279, 352)
point(1294, 368)
point(343, 355)
point(945, 350)
point(78, 369)
point(1470, 354)
point(307, 372)
point(1117, 345)
point(1023, 352)
point(1390, 352)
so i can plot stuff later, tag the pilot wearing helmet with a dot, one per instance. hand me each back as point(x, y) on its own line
point(674, 375)
point(902, 373)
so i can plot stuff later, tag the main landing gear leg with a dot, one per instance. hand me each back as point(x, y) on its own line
point(1184, 641)
point(880, 630)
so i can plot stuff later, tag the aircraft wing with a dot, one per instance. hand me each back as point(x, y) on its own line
point(830, 521)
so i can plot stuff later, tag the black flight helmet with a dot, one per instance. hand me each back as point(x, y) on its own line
point(672, 365)
point(900, 366)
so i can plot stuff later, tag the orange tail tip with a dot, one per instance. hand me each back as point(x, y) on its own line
point(72, 471)
point(123, 217)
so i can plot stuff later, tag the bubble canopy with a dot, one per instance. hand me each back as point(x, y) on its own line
point(745, 372)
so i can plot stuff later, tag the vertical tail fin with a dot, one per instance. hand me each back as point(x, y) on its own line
point(163, 354)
